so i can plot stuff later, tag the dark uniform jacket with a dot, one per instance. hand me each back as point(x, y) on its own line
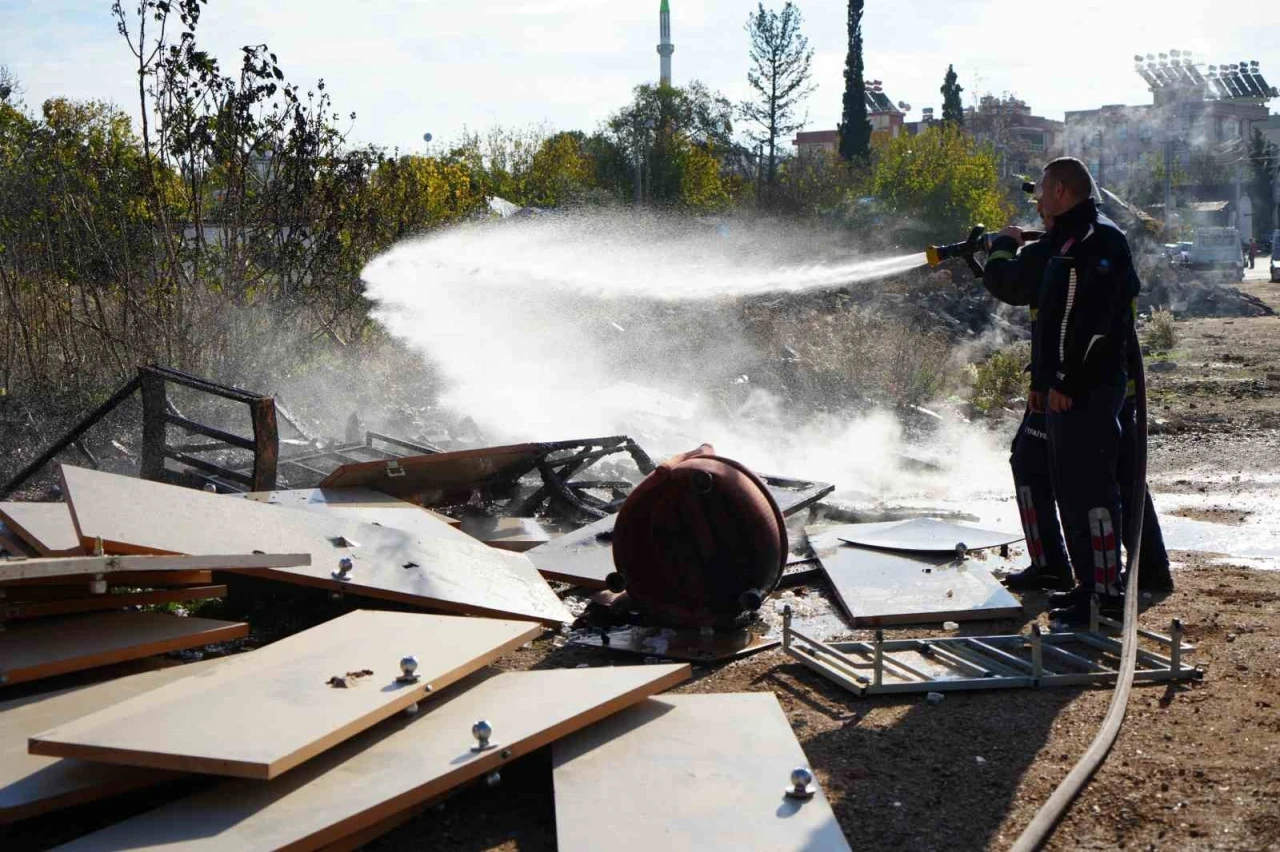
point(1084, 300)
point(1016, 280)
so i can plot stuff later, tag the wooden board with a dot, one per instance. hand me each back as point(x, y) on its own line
point(262, 714)
point(793, 495)
point(32, 784)
point(45, 526)
point(583, 557)
point(30, 650)
point(18, 609)
point(11, 544)
point(392, 767)
point(438, 479)
point(515, 534)
point(85, 567)
point(140, 579)
point(358, 504)
point(688, 773)
point(878, 587)
point(926, 535)
point(447, 571)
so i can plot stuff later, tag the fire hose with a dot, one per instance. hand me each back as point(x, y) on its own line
point(1041, 827)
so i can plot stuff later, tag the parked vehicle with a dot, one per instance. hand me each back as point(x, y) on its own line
point(1218, 250)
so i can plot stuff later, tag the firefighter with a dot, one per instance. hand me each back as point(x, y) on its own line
point(1015, 280)
point(1083, 337)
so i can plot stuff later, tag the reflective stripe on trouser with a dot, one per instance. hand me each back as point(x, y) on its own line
point(1030, 528)
point(1106, 560)
point(1033, 487)
point(1084, 444)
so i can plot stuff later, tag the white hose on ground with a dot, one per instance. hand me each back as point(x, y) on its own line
point(1041, 827)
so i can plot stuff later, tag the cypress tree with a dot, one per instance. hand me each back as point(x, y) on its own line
point(952, 109)
point(855, 129)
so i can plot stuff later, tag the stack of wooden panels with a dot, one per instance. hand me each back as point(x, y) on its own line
point(304, 731)
point(63, 615)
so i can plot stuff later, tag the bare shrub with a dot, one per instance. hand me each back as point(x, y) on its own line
point(1000, 378)
point(1161, 335)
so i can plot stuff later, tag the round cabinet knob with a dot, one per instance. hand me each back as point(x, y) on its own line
point(482, 731)
point(408, 669)
point(345, 566)
point(801, 784)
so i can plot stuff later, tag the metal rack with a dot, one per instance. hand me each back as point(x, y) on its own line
point(953, 663)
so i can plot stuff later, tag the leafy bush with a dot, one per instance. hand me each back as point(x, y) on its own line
point(1161, 335)
point(1001, 378)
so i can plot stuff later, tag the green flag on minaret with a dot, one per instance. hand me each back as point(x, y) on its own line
point(666, 7)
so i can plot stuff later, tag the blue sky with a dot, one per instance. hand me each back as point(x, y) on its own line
point(409, 66)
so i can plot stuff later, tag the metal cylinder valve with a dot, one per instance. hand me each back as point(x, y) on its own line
point(801, 784)
point(482, 731)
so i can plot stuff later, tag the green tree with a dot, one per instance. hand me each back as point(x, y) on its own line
point(780, 77)
point(952, 108)
point(855, 128)
point(657, 127)
point(939, 182)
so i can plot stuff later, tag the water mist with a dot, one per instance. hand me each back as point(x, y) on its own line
point(574, 326)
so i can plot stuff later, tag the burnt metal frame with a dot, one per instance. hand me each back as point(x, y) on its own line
point(557, 475)
point(158, 414)
point(984, 662)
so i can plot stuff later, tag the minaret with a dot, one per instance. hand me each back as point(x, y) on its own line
point(666, 48)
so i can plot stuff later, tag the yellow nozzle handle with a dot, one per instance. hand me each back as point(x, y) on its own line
point(931, 255)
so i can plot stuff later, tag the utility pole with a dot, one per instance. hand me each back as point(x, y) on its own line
point(1102, 166)
point(1168, 181)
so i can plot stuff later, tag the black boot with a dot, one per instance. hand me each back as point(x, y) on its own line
point(1035, 578)
point(1155, 578)
point(1060, 600)
point(1079, 613)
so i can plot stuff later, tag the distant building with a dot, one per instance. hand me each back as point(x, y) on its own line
point(1023, 142)
point(887, 122)
point(1194, 112)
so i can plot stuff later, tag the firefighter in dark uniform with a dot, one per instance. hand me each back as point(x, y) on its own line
point(1080, 364)
point(1015, 280)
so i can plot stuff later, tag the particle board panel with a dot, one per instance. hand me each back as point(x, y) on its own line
point(31, 785)
point(793, 495)
point(141, 579)
point(926, 535)
point(358, 504)
point(393, 767)
point(448, 571)
point(689, 773)
point(515, 534)
point(11, 544)
point(47, 527)
point(83, 567)
point(264, 713)
point(878, 587)
point(30, 650)
point(438, 479)
point(583, 557)
point(19, 609)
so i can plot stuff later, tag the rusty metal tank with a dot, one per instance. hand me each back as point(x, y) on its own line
point(699, 543)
